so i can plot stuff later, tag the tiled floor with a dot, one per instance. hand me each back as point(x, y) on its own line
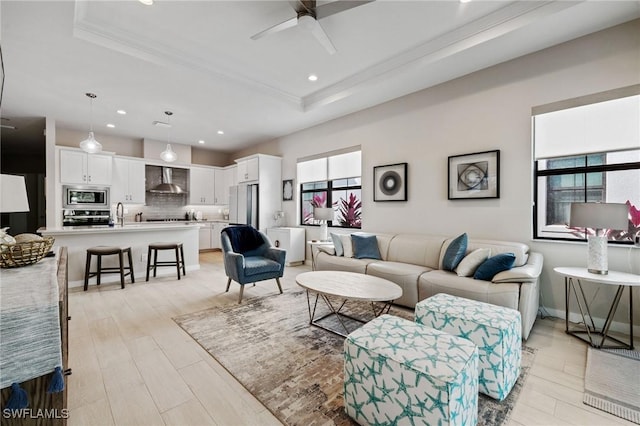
point(132, 365)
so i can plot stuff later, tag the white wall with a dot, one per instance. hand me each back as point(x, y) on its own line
point(486, 110)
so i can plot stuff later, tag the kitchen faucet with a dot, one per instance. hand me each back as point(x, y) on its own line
point(120, 214)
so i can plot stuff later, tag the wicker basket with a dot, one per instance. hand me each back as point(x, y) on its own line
point(25, 253)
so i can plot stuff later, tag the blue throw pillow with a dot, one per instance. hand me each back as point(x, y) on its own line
point(490, 267)
point(337, 244)
point(455, 253)
point(365, 246)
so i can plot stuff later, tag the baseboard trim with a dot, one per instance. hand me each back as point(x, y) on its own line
point(574, 317)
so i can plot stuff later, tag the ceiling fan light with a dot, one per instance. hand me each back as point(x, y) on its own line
point(306, 22)
point(91, 145)
point(168, 155)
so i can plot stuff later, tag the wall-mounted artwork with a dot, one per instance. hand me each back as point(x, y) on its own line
point(287, 190)
point(390, 182)
point(474, 175)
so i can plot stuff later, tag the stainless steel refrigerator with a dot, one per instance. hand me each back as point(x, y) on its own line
point(243, 205)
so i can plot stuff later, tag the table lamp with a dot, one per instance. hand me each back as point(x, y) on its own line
point(13, 194)
point(323, 214)
point(599, 216)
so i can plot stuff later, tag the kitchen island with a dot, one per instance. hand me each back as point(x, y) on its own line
point(135, 235)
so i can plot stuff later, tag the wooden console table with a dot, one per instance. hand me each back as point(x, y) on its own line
point(47, 276)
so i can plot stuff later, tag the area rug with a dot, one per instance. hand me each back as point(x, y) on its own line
point(293, 368)
point(612, 382)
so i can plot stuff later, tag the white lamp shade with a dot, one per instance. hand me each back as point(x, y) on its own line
point(168, 155)
point(13, 194)
point(323, 213)
point(599, 216)
point(90, 144)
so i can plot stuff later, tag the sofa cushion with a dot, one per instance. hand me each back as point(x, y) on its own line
point(328, 262)
point(438, 281)
point(254, 265)
point(493, 265)
point(337, 244)
point(365, 246)
point(455, 252)
point(471, 261)
point(347, 245)
point(423, 250)
point(404, 274)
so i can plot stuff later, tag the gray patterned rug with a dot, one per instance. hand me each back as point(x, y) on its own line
point(295, 369)
point(612, 382)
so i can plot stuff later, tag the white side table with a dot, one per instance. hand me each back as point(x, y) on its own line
point(315, 246)
point(573, 278)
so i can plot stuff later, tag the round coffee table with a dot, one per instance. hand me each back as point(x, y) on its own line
point(346, 286)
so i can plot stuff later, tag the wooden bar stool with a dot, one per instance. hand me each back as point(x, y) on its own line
point(178, 263)
point(100, 251)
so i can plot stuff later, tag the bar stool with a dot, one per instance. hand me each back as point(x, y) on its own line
point(178, 263)
point(100, 251)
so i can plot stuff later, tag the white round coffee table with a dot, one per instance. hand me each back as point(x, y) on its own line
point(346, 286)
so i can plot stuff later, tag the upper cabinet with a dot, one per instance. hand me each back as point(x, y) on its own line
point(248, 169)
point(81, 168)
point(202, 185)
point(221, 195)
point(128, 181)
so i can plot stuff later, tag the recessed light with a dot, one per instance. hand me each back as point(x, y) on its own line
point(312, 77)
point(220, 132)
point(200, 141)
point(111, 126)
point(121, 112)
point(464, 1)
point(146, 2)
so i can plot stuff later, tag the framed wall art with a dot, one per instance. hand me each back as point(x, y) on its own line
point(287, 190)
point(390, 182)
point(474, 175)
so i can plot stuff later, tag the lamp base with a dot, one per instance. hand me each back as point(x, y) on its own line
point(324, 231)
point(598, 260)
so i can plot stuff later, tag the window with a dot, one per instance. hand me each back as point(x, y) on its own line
point(588, 153)
point(332, 180)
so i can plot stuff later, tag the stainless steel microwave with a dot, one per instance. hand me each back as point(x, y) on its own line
point(85, 197)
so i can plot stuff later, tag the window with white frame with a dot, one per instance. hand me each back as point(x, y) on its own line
point(586, 153)
point(332, 180)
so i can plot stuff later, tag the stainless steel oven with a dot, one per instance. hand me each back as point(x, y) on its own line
point(85, 197)
point(79, 217)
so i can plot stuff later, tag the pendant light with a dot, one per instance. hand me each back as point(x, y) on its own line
point(91, 145)
point(168, 155)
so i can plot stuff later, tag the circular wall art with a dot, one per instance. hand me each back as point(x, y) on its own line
point(390, 182)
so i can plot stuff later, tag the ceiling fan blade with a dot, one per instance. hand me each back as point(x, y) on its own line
point(303, 5)
point(278, 27)
point(334, 7)
point(322, 37)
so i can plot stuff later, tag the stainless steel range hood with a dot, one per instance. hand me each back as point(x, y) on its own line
point(167, 186)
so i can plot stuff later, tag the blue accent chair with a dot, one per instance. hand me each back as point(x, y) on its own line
point(249, 257)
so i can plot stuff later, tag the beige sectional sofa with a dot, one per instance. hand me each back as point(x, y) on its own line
point(414, 262)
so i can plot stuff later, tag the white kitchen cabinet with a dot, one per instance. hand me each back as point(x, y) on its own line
point(216, 228)
point(204, 238)
point(128, 181)
point(202, 186)
point(221, 193)
point(290, 239)
point(248, 169)
point(81, 168)
point(232, 176)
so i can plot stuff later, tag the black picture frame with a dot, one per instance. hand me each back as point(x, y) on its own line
point(287, 190)
point(474, 176)
point(390, 182)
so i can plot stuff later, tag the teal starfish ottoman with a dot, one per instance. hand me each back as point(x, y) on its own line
point(399, 372)
point(494, 329)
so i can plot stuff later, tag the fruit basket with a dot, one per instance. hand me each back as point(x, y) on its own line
point(24, 253)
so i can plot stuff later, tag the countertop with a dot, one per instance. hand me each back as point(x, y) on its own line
point(127, 228)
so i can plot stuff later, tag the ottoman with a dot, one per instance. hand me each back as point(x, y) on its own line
point(397, 372)
point(494, 329)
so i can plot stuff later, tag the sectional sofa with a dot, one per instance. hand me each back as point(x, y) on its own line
point(415, 263)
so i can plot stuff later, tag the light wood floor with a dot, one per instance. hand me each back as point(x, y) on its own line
point(132, 365)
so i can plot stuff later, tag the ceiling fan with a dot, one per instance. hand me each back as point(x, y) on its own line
point(308, 14)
